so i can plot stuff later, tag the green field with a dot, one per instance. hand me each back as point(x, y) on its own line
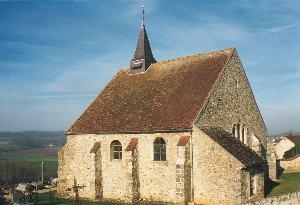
point(25, 165)
point(287, 183)
point(9, 146)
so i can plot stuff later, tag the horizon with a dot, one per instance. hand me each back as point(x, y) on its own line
point(56, 57)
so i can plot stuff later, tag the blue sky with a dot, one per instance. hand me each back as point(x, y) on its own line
point(56, 56)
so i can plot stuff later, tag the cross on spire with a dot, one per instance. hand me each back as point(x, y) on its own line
point(143, 56)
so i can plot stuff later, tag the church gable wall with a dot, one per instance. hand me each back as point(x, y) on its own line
point(232, 102)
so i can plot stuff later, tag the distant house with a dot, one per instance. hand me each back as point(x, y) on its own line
point(286, 143)
point(178, 131)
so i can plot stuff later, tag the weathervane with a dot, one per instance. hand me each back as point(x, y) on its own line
point(143, 13)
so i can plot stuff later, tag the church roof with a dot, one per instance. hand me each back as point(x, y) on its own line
point(234, 146)
point(168, 96)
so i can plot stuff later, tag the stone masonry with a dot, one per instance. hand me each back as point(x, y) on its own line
point(232, 101)
point(219, 178)
point(135, 177)
point(197, 169)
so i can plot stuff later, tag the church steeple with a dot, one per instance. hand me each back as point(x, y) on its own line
point(143, 56)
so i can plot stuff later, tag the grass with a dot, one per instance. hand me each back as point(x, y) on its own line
point(44, 199)
point(15, 157)
point(287, 183)
point(8, 146)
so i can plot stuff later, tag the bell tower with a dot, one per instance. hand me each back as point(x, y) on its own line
point(143, 56)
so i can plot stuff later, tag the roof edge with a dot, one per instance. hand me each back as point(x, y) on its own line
point(135, 132)
point(214, 85)
point(184, 57)
point(90, 104)
point(245, 166)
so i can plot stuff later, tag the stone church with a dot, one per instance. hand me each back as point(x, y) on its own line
point(184, 130)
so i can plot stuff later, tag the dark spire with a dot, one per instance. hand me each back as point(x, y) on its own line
point(143, 56)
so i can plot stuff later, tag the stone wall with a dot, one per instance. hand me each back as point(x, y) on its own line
point(231, 102)
point(76, 161)
point(272, 162)
point(218, 177)
point(259, 184)
point(183, 174)
point(216, 174)
point(156, 179)
point(287, 199)
point(292, 164)
point(98, 174)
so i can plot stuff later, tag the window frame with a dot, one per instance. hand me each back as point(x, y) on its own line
point(159, 150)
point(116, 150)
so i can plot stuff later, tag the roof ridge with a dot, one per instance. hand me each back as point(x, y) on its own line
point(195, 55)
point(184, 57)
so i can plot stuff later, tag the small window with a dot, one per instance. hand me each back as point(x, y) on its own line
point(252, 183)
point(240, 132)
point(238, 127)
point(236, 130)
point(159, 148)
point(243, 134)
point(116, 150)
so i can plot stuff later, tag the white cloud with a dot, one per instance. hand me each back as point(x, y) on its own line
point(279, 29)
point(280, 77)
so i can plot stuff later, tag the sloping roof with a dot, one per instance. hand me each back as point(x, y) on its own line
point(132, 144)
point(294, 138)
point(292, 158)
point(168, 96)
point(234, 146)
point(183, 140)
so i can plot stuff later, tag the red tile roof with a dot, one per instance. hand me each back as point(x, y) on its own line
point(234, 146)
point(168, 96)
point(132, 144)
point(183, 140)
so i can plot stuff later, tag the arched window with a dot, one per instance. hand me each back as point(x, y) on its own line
point(244, 134)
point(238, 127)
point(116, 150)
point(159, 149)
point(236, 131)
